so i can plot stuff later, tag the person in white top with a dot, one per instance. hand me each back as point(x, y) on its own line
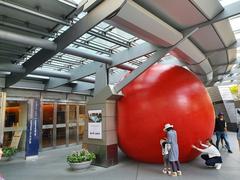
point(211, 154)
point(165, 151)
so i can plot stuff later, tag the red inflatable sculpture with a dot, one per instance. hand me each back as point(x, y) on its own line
point(164, 94)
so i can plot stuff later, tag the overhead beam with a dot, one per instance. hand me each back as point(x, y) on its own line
point(132, 53)
point(23, 39)
point(101, 12)
point(25, 29)
point(145, 65)
point(84, 54)
point(101, 36)
point(228, 12)
point(117, 61)
point(46, 44)
point(35, 13)
point(11, 67)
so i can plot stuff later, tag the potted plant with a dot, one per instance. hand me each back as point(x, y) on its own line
point(8, 153)
point(81, 159)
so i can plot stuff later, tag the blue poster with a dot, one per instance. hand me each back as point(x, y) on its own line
point(32, 139)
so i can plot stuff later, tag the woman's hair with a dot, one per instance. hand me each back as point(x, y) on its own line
point(1, 145)
point(164, 144)
point(211, 142)
point(168, 129)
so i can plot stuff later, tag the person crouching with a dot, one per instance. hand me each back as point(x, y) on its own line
point(211, 154)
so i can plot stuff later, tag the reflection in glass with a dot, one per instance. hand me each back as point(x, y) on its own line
point(82, 121)
point(47, 138)
point(48, 113)
point(72, 113)
point(72, 135)
point(7, 138)
point(61, 136)
point(12, 114)
point(61, 109)
point(47, 128)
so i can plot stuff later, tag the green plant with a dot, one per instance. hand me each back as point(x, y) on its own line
point(81, 156)
point(9, 151)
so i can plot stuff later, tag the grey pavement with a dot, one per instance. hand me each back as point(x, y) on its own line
point(52, 165)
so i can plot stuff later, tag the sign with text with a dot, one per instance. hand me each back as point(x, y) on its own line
point(95, 130)
point(95, 124)
point(32, 139)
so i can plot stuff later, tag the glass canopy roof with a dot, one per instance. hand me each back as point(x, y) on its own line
point(105, 40)
point(235, 24)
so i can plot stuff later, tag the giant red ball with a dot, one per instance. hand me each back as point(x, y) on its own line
point(164, 94)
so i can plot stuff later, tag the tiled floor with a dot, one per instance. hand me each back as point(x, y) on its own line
point(52, 166)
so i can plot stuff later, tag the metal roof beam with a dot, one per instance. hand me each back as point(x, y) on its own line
point(28, 11)
point(23, 39)
point(25, 29)
point(118, 60)
point(82, 53)
point(228, 12)
point(101, 36)
point(11, 68)
point(145, 65)
point(101, 12)
point(46, 44)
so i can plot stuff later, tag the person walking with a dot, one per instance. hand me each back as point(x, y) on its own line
point(211, 154)
point(221, 131)
point(174, 152)
point(238, 134)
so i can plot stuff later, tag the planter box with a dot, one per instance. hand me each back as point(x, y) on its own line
point(82, 165)
point(6, 158)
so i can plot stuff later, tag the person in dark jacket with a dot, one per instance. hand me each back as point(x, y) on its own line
point(221, 130)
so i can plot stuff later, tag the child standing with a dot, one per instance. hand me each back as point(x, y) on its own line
point(173, 153)
point(165, 148)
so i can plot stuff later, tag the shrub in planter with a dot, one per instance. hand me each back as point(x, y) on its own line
point(81, 159)
point(8, 152)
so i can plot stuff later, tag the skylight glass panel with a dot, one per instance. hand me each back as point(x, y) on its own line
point(227, 2)
point(122, 33)
point(235, 23)
point(103, 25)
point(104, 42)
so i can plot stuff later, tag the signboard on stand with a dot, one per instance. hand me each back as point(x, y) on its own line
point(16, 139)
point(95, 124)
point(32, 139)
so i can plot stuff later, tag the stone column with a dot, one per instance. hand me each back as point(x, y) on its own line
point(106, 149)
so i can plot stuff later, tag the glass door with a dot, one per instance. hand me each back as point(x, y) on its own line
point(47, 124)
point(82, 120)
point(72, 124)
point(61, 125)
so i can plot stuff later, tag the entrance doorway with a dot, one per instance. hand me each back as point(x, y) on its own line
point(62, 124)
point(16, 114)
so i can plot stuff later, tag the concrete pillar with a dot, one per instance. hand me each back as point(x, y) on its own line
point(106, 148)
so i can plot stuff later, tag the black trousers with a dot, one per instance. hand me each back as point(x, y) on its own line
point(211, 161)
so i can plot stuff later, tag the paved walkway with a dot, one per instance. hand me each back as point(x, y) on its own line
point(52, 166)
